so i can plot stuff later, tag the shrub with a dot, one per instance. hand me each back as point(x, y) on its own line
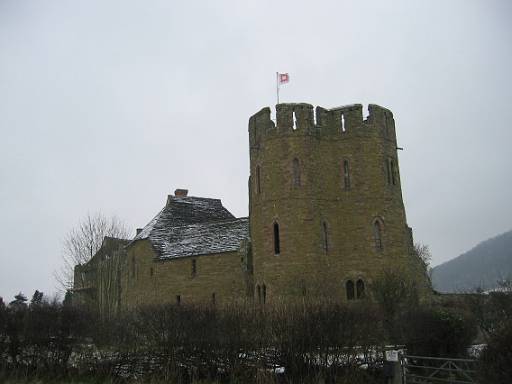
point(438, 331)
point(495, 360)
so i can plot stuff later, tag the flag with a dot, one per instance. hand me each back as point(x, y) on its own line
point(284, 78)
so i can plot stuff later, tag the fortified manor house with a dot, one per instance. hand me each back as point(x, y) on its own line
point(326, 219)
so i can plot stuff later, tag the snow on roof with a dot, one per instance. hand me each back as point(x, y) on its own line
point(203, 238)
point(190, 226)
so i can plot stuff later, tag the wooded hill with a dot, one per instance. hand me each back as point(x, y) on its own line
point(481, 267)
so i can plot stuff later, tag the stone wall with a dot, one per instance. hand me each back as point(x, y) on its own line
point(147, 280)
point(298, 181)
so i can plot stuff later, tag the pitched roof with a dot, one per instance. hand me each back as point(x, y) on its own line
point(203, 238)
point(190, 226)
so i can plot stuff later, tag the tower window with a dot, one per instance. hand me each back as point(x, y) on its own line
point(294, 120)
point(346, 174)
point(343, 128)
point(151, 271)
point(258, 290)
point(194, 267)
point(178, 299)
point(360, 289)
point(258, 180)
point(213, 298)
point(264, 293)
point(349, 286)
point(296, 172)
point(325, 237)
point(277, 245)
point(388, 170)
point(377, 234)
point(392, 167)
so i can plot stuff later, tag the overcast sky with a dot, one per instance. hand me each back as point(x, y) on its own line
point(111, 105)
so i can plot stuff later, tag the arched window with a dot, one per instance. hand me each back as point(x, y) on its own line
point(360, 289)
point(264, 293)
point(377, 235)
point(277, 245)
point(346, 174)
point(349, 286)
point(258, 290)
point(296, 172)
point(258, 180)
point(325, 236)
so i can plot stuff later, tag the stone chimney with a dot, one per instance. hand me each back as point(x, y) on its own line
point(181, 192)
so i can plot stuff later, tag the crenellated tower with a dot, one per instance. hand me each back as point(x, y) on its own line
point(326, 208)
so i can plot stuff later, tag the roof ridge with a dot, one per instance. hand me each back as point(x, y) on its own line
point(193, 197)
point(211, 222)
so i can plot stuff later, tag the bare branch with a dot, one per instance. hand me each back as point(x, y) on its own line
point(82, 242)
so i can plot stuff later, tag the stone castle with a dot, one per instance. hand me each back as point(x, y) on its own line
point(326, 218)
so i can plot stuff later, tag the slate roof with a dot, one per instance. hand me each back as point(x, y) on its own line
point(203, 238)
point(191, 226)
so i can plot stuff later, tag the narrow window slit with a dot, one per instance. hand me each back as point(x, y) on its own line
point(194, 268)
point(388, 171)
point(346, 174)
point(277, 245)
point(349, 287)
point(377, 233)
point(360, 289)
point(393, 179)
point(325, 237)
point(258, 180)
point(296, 172)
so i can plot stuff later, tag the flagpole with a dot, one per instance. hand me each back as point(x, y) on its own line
point(277, 86)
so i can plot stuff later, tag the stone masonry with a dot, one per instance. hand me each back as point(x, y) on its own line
point(326, 219)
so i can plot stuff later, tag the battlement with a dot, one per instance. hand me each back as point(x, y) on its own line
point(302, 118)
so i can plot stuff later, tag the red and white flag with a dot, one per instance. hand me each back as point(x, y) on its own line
point(283, 78)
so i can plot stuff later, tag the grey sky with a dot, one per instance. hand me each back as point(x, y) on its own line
point(110, 105)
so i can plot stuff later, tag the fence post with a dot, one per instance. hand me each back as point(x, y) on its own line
point(393, 367)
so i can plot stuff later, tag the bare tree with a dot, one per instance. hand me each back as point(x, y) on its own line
point(422, 251)
point(82, 242)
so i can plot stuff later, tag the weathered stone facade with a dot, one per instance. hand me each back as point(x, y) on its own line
point(326, 218)
point(332, 189)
